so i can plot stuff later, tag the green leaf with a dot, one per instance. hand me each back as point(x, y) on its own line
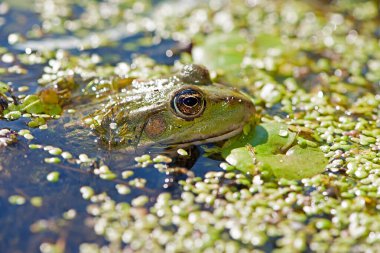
point(221, 51)
point(276, 151)
point(3, 87)
point(270, 138)
point(36, 122)
point(297, 163)
point(265, 41)
point(33, 104)
point(238, 141)
point(52, 109)
point(267, 138)
point(242, 159)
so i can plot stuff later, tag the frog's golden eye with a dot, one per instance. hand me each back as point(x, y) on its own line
point(188, 103)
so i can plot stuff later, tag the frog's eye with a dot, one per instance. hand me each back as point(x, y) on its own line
point(188, 103)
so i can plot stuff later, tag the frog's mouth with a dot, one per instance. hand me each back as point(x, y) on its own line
point(210, 139)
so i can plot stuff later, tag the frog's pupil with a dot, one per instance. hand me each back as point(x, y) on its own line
point(190, 101)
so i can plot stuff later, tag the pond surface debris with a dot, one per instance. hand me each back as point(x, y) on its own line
point(312, 66)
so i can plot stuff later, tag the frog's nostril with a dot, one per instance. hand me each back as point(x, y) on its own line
point(229, 98)
point(251, 107)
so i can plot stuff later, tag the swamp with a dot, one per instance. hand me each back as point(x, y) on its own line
point(189, 126)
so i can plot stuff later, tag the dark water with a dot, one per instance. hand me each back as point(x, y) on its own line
point(24, 171)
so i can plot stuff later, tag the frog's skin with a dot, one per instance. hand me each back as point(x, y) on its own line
point(177, 111)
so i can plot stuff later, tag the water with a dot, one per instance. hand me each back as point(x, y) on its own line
point(24, 171)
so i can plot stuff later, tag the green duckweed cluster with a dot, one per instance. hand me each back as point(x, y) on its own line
point(313, 65)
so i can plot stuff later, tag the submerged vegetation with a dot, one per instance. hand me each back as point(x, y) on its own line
point(305, 177)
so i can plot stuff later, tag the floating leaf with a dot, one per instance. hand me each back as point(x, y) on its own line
point(266, 41)
point(221, 51)
point(52, 109)
point(297, 163)
point(12, 115)
point(33, 104)
point(3, 87)
point(36, 122)
point(270, 138)
point(267, 138)
point(17, 200)
point(242, 159)
point(275, 150)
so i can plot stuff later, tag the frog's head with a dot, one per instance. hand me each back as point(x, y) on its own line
point(188, 110)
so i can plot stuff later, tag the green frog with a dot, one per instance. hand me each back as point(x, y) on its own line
point(177, 111)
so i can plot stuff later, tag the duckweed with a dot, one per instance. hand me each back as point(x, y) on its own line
point(138, 182)
point(140, 201)
point(87, 192)
point(182, 152)
point(316, 72)
point(28, 136)
point(35, 146)
point(66, 155)
point(55, 151)
point(53, 176)
point(16, 200)
point(108, 176)
point(126, 174)
point(36, 201)
point(52, 160)
point(122, 189)
point(83, 158)
point(162, 159)
point(13, 115)
point(23, 88)
point(70, 214)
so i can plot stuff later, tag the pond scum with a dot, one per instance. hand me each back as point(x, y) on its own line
point(313, 65)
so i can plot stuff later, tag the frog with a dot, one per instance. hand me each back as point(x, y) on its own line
point(181, 110)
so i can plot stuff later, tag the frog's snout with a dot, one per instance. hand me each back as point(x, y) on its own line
point(249, 110)
point(244, 101)
point(250, 106)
